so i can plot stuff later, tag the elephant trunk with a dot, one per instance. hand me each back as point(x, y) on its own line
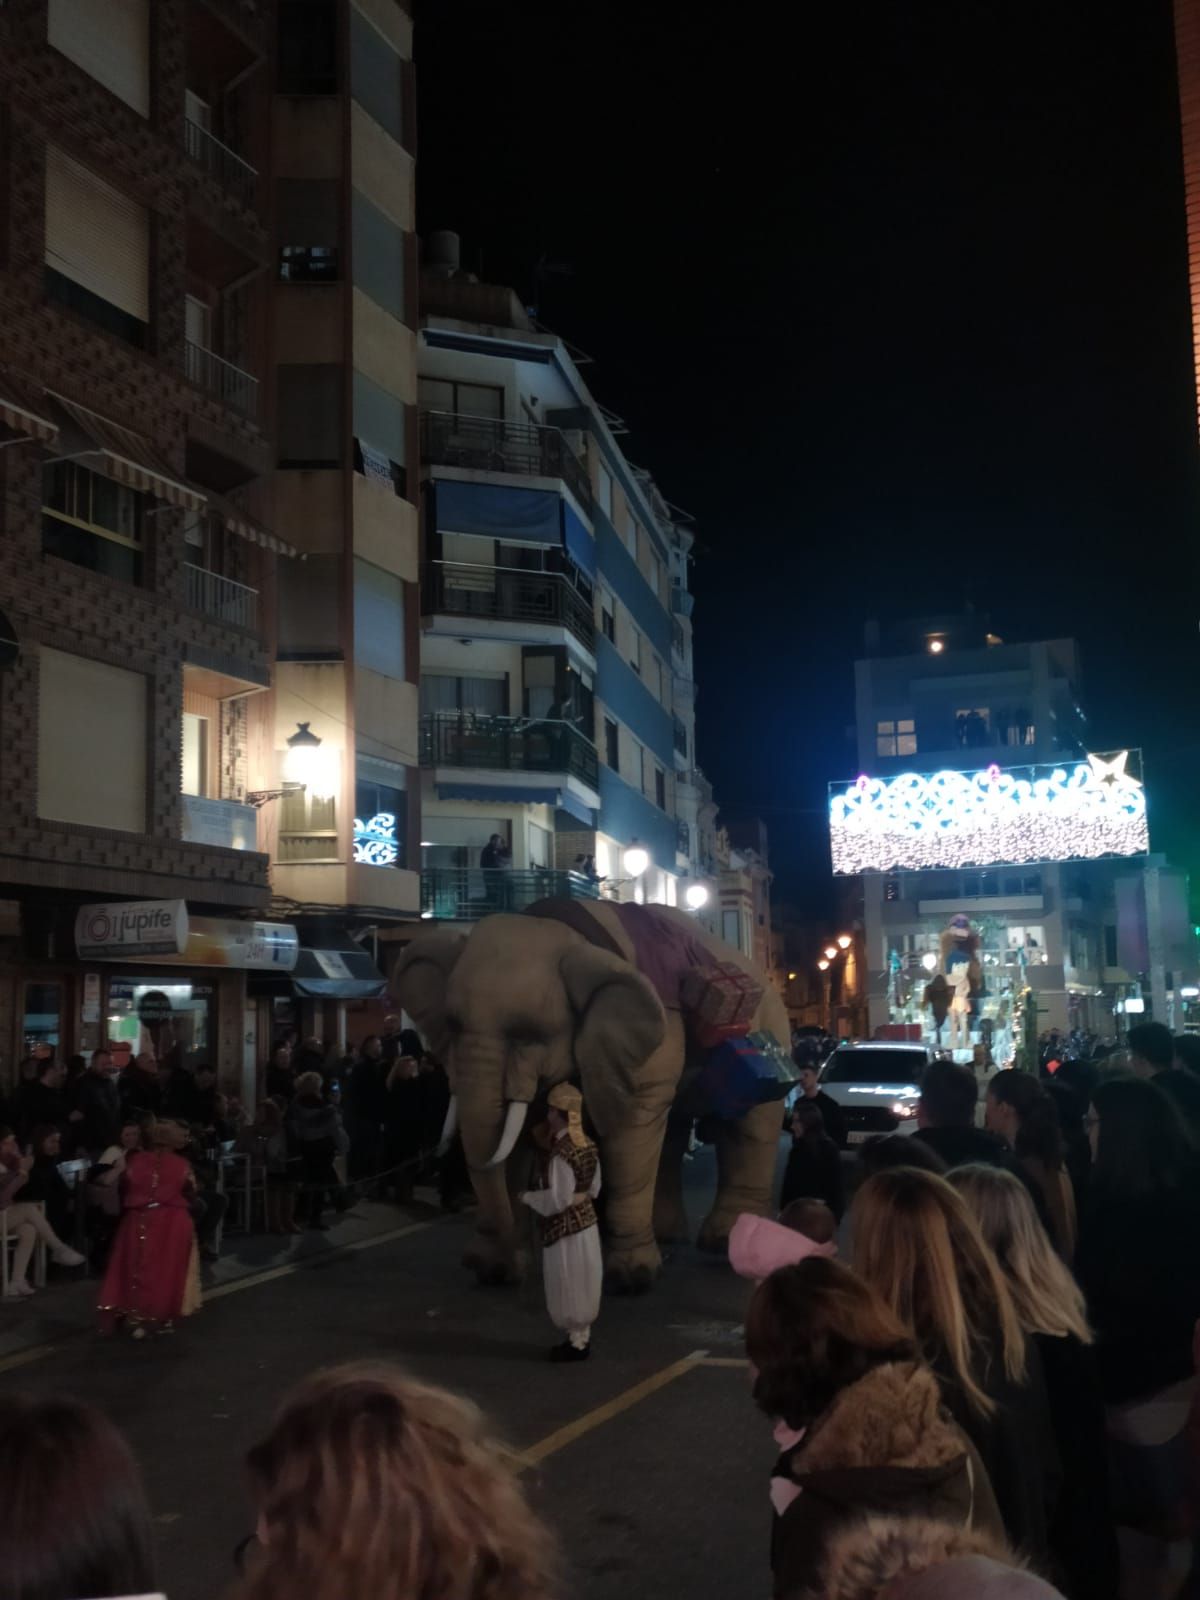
point(514, 1121)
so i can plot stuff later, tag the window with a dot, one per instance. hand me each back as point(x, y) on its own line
point(308, 827)
point(604, 489)
point(380, 420)
point(896, 738)
point(541, 846)
point(308, 53)
point(194, 778)
point(380, 823)
point(197, 322)
point(629, 532)
point(612, 744)
point(681, 738)
point(97, 249)
point(641, 767)
point(309, 416)
point(635, 650)
point(111, 42)
point(462, 399)
point(660, 788)
point(91, 521)
point(971, 727)
point(91, 720)
point(608, 621)
point(377, 253)
point(43, 1013)
point(378, 619)
point(308, 229)
point(308, 609)
point(485, 696)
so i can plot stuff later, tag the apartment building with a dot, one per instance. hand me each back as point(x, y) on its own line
point(557, 703)
point(948, 696)
point(207, 532)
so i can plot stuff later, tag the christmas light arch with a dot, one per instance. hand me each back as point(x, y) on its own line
point(1078, 811)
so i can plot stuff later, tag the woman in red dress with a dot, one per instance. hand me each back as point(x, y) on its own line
point(153, 1273)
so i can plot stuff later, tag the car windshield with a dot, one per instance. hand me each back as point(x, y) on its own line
point(874, 1066)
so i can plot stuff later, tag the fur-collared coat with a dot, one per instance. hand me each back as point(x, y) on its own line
point(911, 1558)
point(885, 1445)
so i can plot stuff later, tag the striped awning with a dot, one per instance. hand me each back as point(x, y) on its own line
point(126, 456)
point(23, 409)
point(240, 522)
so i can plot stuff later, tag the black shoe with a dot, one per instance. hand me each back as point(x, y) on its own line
point(568, 1352)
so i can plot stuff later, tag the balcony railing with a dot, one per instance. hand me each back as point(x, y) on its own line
point(484, 444)
point(236, 177)
point(683, 837)
point(227, 383)
point(678, 646)
point(507, 594)
point(221, 598)
point(466, 894)
point(226, 823)
point(506, 744)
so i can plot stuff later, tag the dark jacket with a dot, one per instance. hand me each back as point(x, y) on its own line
point(47, 1186)
point(141, 1093)
point(884, 1445)
point(832, 1116)
point(814, 1172)
point(963, 1147)
point(1083, 1544)
point(35, 1105)
point(310, 1120)
point(1138, 1263)
point(281, 1083)
point(1015, 1442)
point(100, 1101)
point(182, 1096)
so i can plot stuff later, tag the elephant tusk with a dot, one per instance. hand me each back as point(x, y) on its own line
point(514, 1121)
point(449, 1127)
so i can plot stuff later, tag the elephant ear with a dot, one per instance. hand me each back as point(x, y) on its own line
point(620, 1025)
point(420, 983)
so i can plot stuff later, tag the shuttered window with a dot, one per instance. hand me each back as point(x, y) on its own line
point(96, 236)
point(91, 719)
point(111, 41)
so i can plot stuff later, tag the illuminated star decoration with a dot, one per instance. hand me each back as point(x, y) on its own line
point(376, 841)
point(1015, 815)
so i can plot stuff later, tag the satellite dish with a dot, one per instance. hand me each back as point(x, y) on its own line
point(9, 644)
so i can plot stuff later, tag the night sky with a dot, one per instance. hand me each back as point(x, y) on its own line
point(894, 302)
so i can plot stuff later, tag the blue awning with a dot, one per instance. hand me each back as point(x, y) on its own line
point(526, 795)
point(497, 512)
point(578, 541)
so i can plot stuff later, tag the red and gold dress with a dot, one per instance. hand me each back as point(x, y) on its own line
point(153, 1273)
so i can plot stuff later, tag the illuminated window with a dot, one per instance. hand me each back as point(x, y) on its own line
point(972, 727)
point(896, 737)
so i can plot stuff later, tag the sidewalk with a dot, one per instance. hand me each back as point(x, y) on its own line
point(66, 1307)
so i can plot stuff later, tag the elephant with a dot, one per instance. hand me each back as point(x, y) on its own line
point(524, 1002)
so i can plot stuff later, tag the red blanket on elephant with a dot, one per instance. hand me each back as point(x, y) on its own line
point(153, 1271)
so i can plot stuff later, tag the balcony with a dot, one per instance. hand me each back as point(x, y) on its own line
point(220, 598)
point(506, 744)
point(229, 384)
point(678, 644)
point(507, 594)
point(236, 177)
point(466, 894)
point(483, 444)
point(226, 823)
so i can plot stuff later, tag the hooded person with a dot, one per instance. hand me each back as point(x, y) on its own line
point(572, 1268)
point(758, 1246)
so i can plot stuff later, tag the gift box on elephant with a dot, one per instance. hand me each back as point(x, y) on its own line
point(742, 1073)
point(719, 1002)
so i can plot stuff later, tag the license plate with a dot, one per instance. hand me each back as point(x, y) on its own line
point(857, 1136)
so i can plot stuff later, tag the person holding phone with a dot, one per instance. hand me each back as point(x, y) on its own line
point(26, 1220)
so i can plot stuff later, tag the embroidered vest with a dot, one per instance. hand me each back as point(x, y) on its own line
point(581, 1213)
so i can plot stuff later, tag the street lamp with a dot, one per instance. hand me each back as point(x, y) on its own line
point(822, 966)
point(844, 941)
point(695, 896)
point(635, 860)
point(830, 952)
point(929, 960)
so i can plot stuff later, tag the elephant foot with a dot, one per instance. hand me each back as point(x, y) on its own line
point(631, 1271)
point(491, 1265)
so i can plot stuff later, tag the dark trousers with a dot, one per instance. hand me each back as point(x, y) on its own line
point(317, 1179)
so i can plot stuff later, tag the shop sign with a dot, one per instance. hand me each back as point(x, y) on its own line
point(240, 946)
point(332, 964)
point(90, 1011)
point(110, 932)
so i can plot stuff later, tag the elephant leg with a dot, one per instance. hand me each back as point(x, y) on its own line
point(492, 1251)
point(670, 1218)
point(630, 1158)
point(747, 1153)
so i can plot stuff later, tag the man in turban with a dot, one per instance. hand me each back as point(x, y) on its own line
point(571, 1262)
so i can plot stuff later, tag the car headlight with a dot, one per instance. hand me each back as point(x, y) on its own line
point(904, 1109)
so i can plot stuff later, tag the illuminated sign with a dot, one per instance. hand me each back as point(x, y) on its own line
point(1002, 815)
point(376, 840)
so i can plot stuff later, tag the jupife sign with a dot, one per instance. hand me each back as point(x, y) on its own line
point(131, 928)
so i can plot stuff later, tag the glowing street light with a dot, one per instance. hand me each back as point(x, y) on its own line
point(844, 941)
point(636, 860)
point(695, 895)
point(929, 960)
point(822, 966)
point(830, 952)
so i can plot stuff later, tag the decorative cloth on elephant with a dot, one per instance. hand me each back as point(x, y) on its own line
point(572, 1268)
point(664, 950)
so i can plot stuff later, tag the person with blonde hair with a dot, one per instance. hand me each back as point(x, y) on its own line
point(1053, 1313)
point(572, 1268)
point(917, 1244)
point(372, 1486)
